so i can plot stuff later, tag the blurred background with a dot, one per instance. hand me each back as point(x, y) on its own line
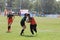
point(40, 8)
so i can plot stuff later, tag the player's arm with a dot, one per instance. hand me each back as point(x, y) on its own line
point(28, 21)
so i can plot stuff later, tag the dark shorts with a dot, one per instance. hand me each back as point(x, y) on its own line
point(33, 26)
point(22, 24)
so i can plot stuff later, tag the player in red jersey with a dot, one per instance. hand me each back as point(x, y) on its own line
point(10, 20)
point(33, 24)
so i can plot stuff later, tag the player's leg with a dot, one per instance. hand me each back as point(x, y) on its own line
point(9, 27)
point(23, 28)
point(31, 29)
point(35, 29)
point(22, 31)
point(9, 24)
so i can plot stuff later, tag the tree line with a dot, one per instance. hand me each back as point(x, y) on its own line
point(47, 6)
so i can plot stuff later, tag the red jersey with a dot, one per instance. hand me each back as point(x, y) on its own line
point(32, 21)
point(10, 20)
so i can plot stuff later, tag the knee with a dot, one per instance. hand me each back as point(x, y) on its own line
point(24, 27)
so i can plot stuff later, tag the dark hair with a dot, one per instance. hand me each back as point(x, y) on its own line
point(28, 15)
point(25, 14)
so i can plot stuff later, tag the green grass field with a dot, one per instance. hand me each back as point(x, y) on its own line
point(48, 29)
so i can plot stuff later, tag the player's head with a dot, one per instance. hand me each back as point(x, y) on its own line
point(28, 15)
point(25, 15)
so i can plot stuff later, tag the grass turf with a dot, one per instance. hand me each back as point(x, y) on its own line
point(48, 29)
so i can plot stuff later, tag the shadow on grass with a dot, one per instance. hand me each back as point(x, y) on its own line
point(29, 35)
